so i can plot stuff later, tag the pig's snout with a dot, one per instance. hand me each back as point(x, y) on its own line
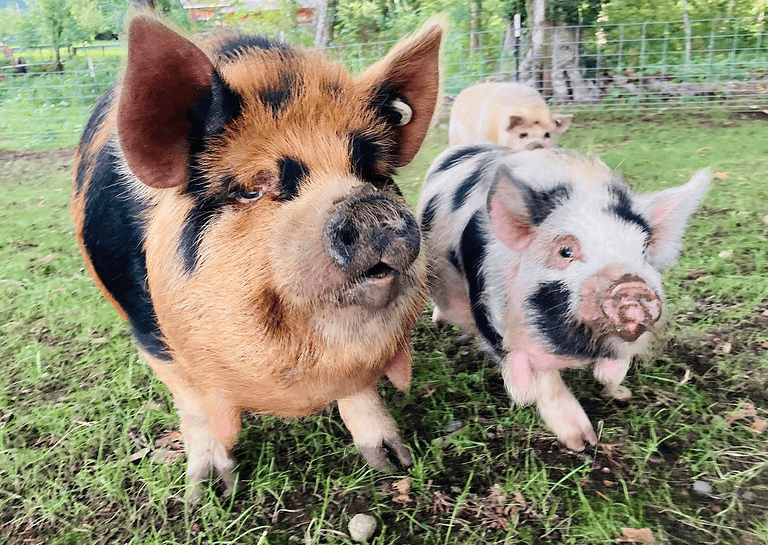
point(534, 145)
point(372, 238)
point(631, 307)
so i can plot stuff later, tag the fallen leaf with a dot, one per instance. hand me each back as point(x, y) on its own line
point(725, 254)
point(746, 410)
point(172, 438)
point(166, 455)
point(640, 535)
point(402, 487)
point(441, 504)
point(428, 389)
point(759, 426)
point(139, 454)
point(686, 377)
point(45, 260)
point(721, 175)
point(520, 499)
point(726, 347)
point(702, 150)
point(695, 273)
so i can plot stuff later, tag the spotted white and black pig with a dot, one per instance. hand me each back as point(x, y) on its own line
point(554, 263)
point(234, 199)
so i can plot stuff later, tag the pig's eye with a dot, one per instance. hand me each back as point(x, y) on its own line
point(523, 135)
point(566, 253)
point(246, 197)
point(546, 135)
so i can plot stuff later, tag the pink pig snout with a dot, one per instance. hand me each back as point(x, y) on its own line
point(631, 307)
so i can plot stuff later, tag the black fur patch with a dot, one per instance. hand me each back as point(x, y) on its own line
point(542, 203)
point(277, 94)
point(473, 246)
point(428, 215)
point(453, 259)
point(97, 118)
point(552, 321)
point(462, 192)
point(205, 210)
point(238, 44)
point(113, 233)
point(454, 157)
point(213, 111)
point(292, 172)
point(366, 153)
point(623, 209)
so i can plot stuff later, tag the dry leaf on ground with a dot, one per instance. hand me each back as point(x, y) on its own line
point(401, 489)
point(746, 410)
point(636, 535)
point(759, 426)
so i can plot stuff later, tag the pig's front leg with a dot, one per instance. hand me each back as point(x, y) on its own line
point(373, 429)
point(561, 411)
point(558, 407)
point(610, 373)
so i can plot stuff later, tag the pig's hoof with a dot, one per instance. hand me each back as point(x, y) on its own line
point(619, 393)
point(230, 486)
point(378, 457)
point(576, 442)
point(193, 494)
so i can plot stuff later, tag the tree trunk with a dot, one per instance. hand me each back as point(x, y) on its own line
point(143, 4)
point(324, 23)
point(535, 68)
point(474, 27)
point(687, 25)
point(551, 64)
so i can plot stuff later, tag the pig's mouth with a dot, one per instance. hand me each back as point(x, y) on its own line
point(375, 287)
point(379, 271)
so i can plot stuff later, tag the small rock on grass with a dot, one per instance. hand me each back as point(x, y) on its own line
point(361, 527)
point(701, 488)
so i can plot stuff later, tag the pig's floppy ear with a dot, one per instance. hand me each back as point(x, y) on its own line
point(562, 122)
point(667, 213)
point(164, 77)
point(511, 218)
point(406, 83)
point(514, 121)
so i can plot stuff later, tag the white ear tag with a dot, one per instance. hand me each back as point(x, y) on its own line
point(405, 112)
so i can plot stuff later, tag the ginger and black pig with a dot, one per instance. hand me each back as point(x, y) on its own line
point(234, 199)
point(510, 114)
point(553, 262)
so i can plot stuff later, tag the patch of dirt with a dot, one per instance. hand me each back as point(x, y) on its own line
point(9, 156)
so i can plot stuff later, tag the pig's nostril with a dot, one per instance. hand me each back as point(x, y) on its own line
point(347, 235)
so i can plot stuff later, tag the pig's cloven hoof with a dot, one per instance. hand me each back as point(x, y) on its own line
point(378, 456)
point(619, 393)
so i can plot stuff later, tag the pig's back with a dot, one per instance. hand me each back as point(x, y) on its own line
point(478, 110)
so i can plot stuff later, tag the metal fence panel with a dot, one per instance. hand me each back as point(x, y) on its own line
point(630, 67)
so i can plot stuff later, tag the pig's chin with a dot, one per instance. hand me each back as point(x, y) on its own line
point(374, 289)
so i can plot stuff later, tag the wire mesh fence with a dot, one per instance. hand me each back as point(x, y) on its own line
point(631, 67)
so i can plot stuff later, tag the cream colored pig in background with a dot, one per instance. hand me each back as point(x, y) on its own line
point(511, 114)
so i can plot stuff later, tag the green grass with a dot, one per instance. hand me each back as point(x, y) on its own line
point(77, 403)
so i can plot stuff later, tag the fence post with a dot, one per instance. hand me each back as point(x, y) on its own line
point(732, 58)
point(642, 49)
point(621, 47)
point(711, 48)
point(664, 49)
